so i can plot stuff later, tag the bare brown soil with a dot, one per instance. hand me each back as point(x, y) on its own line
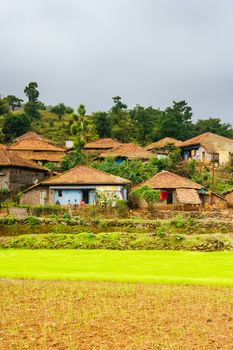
point(101, 316)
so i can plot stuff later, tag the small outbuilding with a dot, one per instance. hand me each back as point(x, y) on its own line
point(79, 185)
point(176, 192)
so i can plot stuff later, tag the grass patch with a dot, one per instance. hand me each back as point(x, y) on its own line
point(172, 267)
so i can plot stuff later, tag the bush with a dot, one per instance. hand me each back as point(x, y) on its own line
point(32, 221)
point(178, 221)
point(122, 208)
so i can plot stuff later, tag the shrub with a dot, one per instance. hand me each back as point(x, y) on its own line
point(122, 208)
point(178, 221)
point(161, 232)
point(32, 220)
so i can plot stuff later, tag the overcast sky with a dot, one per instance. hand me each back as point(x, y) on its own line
point(150, 52)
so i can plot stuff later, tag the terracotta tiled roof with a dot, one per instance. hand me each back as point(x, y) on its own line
point(34, 142)
point(187, 196)
point(211, 142)
point(104, 143)
point(127, 150)
point(162, 143)
point(2, 146)
point(13, 160)
point(165, 179)
point(85, 175)
point(47, 156)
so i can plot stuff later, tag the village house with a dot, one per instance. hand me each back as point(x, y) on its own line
point(32, 146)
point(127, 151)
point(100, 145)
point(176, 192)
point(209, 147)
point(76, 186)
point(17, 173)
point(161, 147)
point(95, 147)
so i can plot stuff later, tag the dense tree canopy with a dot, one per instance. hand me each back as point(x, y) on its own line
point(15, 125)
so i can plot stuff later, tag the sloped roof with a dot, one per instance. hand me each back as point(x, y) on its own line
point(187, 196)
point(165, 179)
point(128, 150)
point(47, 156)
point(2, 146)
point(8, 159)
point(81, 175)
point(103, 143)
point(162, 143)
point(211, 142)
point(34, 142)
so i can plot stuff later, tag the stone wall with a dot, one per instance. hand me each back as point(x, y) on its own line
point(20, 178)
point(33, 196)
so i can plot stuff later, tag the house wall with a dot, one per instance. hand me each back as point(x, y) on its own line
point(200, 154)
point(16, 179)
point(224, 157)
point(35, 196)
point(71, 196)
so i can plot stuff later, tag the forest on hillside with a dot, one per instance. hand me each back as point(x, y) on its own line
point(139, 124)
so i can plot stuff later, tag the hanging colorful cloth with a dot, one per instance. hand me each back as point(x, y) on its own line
point(163, 196)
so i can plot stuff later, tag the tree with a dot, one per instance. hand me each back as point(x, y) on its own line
point(4, 106)
point(32, 92)
point(69, 110)
point(102, 124)
point(145, 122)
point(82, 128)
point(14, 101)
point(30, 108)
point(59, 110)
point(121, 124)
point(15, 125)
point(148, 194)
point(81, 117)
point(215, 126)
point(73, 159)
point(176, 121)
point(118, 105)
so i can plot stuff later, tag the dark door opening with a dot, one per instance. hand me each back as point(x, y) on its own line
point(86, 196)
point(169, 198)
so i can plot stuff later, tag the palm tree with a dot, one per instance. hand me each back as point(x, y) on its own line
point(81, 113)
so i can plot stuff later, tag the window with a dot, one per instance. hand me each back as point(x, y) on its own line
point(59, 193)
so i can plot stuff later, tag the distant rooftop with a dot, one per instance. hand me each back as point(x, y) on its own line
point(128, 150)
point(162, 143)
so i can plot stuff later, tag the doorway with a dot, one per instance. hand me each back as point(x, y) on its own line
point(169, 198)
point(86, 196)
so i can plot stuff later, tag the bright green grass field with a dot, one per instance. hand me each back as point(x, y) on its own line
point(125, 266)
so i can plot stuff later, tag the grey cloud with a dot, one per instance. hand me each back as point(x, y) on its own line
point(149, 52)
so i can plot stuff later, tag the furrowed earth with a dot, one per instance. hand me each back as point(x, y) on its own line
point(105, 315)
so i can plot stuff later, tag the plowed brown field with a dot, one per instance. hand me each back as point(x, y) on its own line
point(101, 316)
